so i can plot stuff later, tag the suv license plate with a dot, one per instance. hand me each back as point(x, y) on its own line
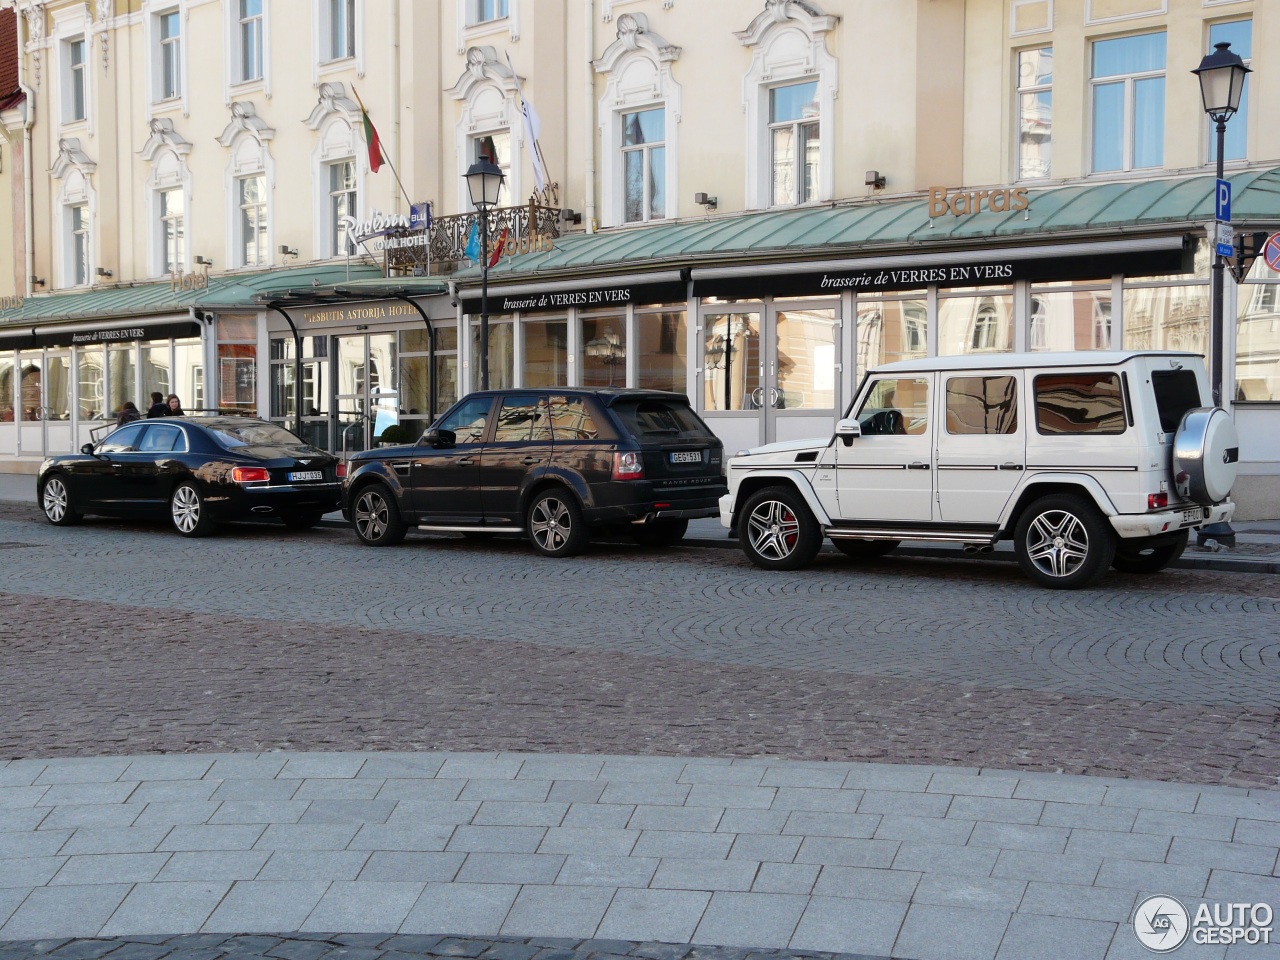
point(306, 475)
point(1192, 516)
point(686, 456)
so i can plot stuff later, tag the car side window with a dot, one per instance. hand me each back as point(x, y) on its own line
point(124, 440)
point(522, 417)
point(161, 437)
point(982, 405)
point(469, 419)
point(1079, 403)
point(896, 405)
point(571, 419)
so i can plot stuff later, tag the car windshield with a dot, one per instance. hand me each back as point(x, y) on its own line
point(657, 418)
point(233, 435)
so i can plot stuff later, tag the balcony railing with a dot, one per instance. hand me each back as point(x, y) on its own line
point(442, 248)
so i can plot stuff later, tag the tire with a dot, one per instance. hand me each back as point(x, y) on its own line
point(555, 525)
point(302, 521)
point(1149, 554)
point(864, 549)
point(1062, 542)
point(55, 502)
point(189, 512)
point(376, 518)
point(778, 531)
point(660, 533)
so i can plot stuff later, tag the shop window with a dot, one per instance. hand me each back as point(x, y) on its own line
point(794, 143)
point(123, 382)
point(1238, 33)
point(978, 323)
point(1258, 335)
point(662, 351)
point(806, 344)
point(1035, 113)
point(75, 80)
point(1079, 403)
point(91, 382)
point(171, 208)
point(167, 28)
point(982, 405)
point(1066, 317)
point(237, 354)
point(249, 45)
point(891, 329)
point(1167, 318)
point(731, 363)
point(502, 354)
point(6, 390)
point(188, 373)
point(604, 349)
point(252, 222)
point(338, 20)
point(546, 353)
point(1128, 103)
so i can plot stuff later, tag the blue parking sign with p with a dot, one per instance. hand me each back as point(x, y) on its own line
point(1222, 202)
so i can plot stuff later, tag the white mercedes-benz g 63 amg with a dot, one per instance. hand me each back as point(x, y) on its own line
point(1086, 460)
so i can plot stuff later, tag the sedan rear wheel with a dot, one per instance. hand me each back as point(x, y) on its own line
point(56, 503)
point(555, 524)
point(376, 519)
point(190, 513)
point(778, 531)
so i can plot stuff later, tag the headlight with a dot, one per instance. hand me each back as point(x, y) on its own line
point(743, 453)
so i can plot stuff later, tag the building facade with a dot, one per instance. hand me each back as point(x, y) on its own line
point(750, 202)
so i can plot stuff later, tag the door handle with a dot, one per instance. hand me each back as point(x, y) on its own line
point(1009, 466)
point(465, 461)
point(917, 465)
point(528, 460)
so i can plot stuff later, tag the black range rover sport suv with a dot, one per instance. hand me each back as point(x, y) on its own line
point(555, 464)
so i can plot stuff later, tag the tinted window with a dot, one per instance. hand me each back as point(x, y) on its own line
point(657, 418)
point(1079, 403)
point(982, 405)
point(468, 419)
point(162, 438)
point(571, 419)
point(522, 418)
point(896, 405)
point(123, 440)
point(233, 435)
point(1176, 392)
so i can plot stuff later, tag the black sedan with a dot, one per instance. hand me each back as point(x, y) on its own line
point(198, 471)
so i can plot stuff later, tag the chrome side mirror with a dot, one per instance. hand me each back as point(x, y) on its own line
point(848, 430)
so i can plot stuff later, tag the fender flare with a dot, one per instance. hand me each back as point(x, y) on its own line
point(552, 474)
point(797, 479)
point(1026, 491)
point(375, 471)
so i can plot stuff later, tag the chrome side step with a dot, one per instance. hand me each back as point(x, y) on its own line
point(911, 533)
point(435, 529)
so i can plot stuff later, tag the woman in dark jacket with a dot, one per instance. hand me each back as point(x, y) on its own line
point(174, 406)
point(128, 413)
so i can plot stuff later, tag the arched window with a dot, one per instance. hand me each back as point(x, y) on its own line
point(491, 111)
point(75, 214)
point(249, 182)
point(336, 183)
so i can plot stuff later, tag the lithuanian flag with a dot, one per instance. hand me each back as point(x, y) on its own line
point(370, 136)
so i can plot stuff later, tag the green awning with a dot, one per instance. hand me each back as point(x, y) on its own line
point(857, 228)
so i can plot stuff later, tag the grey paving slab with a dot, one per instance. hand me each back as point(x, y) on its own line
point(84, 770)
point(1088, 816)
point(1259, 832)
point(327, 766)
point(520, 814)
point(511, 868)
point(151, 907)
point(725, 796)
point(361, 906)
point(469, 909)
point(577, 791)
point(71, 816)
point(364, 788)
point(424, 837)
point(413, 766)
point(996, 809)
point(480, 768)
point(1151, 797)
point(398, 865)
point(1049, 867)
point(976, 893)
point(925, 829)
point(743, 775)
point(64, 912)
point(260, 811)
point(590, 841)
point(753, 821)
point(10, 899)
point(900, 803)
point(694, 819)
point(1075, 901)
point(117, 840)
point(751, 919)
point(11, 797)
point(31, 872)
point(256, 790)
point(812, 823)
point(795, 776)
point(20, 774)
point(314, 865)
point(571, 911)
point(531, 791)
point(452, 812)
point(610, 815)
point(1059, 788)
point(642, 769)
point(255, 906)
point(951, 933)
point(972, 786)
point(110, 868)
point(1260, 807)
point(215, 866)
point(838, 851)
point(941, 858)
point(238, 836)
point(668, 916)
point(22, 819)
point(607, 871)
point(691, 874)
point(1019, 836)
point(168, 767)
point(796, 878)
point(1042, 938)
point(889, 777)
point(1125, 946)
point(674, 843)
point(45, 843)
point(1145, 875)
point(1120, 846)
point(468, 839)
point(348, 811)
point(421, 790)
point(820, 801)
point(87, 793)
point(1237, 857)
point(174, 791)
point(1199, 825)
point(1242, 887)
point(536, 767)
point(643, 791)
point(246, 767)
point(314, 836)
point(849, 926)
point(864, 883)
point(765, 847)
point(176, 812)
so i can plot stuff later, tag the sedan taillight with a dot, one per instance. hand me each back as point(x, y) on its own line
point(627, 466)
point(250, 475)
point(340, 470)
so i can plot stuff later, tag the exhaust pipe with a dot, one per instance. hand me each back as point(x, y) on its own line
point(972, 549)
point(264, 510)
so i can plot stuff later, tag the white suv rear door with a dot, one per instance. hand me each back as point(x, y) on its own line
point(887, 473)
point(982, 443)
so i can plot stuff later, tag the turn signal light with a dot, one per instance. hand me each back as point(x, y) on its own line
point(627, 466)
point(340, 470)
point(250, 475)
point(1157, 501)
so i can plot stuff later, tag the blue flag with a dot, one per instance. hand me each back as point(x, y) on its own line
point(472, 251)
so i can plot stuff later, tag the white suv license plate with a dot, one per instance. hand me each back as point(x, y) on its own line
point(297, 475)
point(1191, 516)
point(686, 456)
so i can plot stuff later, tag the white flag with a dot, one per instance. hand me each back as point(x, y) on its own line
point(532, 128)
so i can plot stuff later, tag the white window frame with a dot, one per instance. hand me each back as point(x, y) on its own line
point(338, 142)
point(168, 45)
point(262, 252)
point(76, 193)
point(785, 52)
point(237, 82)
point(169, 171)
point(646, 152)
point(78, 259)
point(475, 14)
point(249, 158)
point(1129, 81)
point(470, 28)
point(797, 130)
point(1031, 89)
point(487, 90)
point(164, 220)
point(73, 76)
point(325, 57)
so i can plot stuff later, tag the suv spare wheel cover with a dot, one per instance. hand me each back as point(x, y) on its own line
point(1206, 451)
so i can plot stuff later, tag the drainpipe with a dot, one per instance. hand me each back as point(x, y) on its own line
point(395, 94)
point(589, 114)
point(297, 367)
point(28, 188)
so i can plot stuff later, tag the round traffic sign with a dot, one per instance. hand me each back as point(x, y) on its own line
point(1271, 252)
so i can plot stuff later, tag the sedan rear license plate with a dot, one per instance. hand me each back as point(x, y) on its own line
point(686, 456)
point(1192, 516)
point(297, 475)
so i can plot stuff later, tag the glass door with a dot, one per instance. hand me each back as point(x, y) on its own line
point(364, 373)
point(733, 375)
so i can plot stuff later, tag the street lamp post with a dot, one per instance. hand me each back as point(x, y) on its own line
point(1221, 76)
point(484, 183)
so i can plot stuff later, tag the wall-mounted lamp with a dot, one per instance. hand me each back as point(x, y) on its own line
point(570, 216)
point(103, 272)
point(706, 201)
point(204, 262)
point(875, 179)
point(36, 281)
point(288, 251)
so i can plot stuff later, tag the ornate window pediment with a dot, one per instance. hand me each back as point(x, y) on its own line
point(245, 119)
point(71, 157)
point(634, 35)
point(164, 137)
point(797, 12)
point(483, 66)
point(333, 102)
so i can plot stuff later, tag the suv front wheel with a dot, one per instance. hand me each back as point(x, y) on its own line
point(1063, 542)
point(778, 531)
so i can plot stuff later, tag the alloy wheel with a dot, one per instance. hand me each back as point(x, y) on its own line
point(551, 524)
point(774, 530)
point(371, 516)
point(186, 509)
point(55, 500)
point(1057, 543)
